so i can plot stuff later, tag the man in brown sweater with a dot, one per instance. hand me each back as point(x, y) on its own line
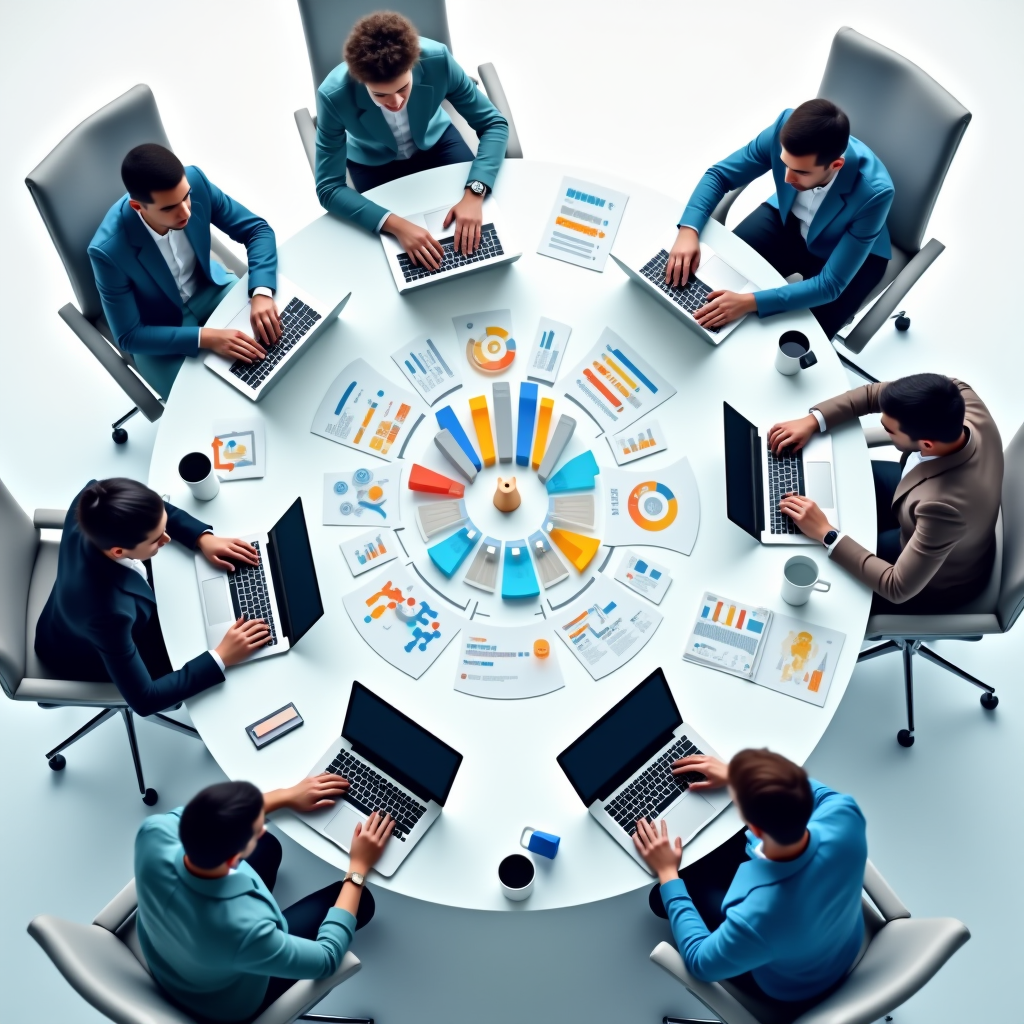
point(936, 508)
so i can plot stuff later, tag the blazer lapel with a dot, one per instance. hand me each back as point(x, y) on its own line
point(371, 120)
point(147, 253)
point(421, 107)
point(936, 467)
point(834, 201)
point(197, 231)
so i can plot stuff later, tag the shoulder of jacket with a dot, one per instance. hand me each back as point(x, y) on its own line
point(431, 49)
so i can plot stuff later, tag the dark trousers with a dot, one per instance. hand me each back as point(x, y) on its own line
point(449, 149)
point(783, 247)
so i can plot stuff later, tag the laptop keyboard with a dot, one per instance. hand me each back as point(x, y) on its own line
point(654, 788)
point(691, 296)
point(489, 247)
point(785, 476)
point(249, 593)
point(370, 791)
point(297, 320)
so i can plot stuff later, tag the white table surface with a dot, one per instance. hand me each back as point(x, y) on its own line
point(509, 777)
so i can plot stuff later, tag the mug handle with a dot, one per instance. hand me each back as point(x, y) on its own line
point(823, 586)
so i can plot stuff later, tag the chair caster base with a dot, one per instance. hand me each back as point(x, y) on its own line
point(120, 435)
point(905, 738)
point(903, 323)
point(989, 701)
point(57, 763)
point(150, 797)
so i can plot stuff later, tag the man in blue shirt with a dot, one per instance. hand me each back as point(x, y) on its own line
point(213, 936)
point(786, 924)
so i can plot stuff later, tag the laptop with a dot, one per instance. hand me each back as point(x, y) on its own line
point(282, 589)
point(712, 274)
point(756, 480)
point(394, 766)
point(621, 767)
point(303, 318)
point(495, 247)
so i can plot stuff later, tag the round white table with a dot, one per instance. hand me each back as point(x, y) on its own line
point(509, 777)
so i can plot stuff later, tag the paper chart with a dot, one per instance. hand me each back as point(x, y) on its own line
point(644, 576)
point(239, 449)
point(582, 225)
point(657, 508)
point(366, 551)
point(426, 368)
point(548, 350)
point(641, 439)
point(363, 497)
point(507, 662)
point(487, 338)
point(800, 659)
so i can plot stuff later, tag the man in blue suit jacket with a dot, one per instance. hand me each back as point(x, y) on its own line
point(777, 911)
point(825, 222)
point(379, 117)
point(151, 260)
point(100, 621)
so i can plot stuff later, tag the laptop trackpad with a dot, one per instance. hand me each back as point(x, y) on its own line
point(218, 601)
point(818, 482)
point(343, 824)
point(688, 815)
point(717, 274)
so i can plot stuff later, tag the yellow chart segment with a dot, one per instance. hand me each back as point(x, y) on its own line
point(540, 439)
point(578, 549)
point(482, 424)
point(583, 229)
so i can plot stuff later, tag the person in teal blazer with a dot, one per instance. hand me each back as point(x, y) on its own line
point(826, 220)
point(379, 117)
point(151, 261)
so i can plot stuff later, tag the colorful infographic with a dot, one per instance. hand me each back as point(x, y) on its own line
point(488, 339)
point(507, 662)
point(644, 576)
point(366, 551)
point(426, 368)
point(800, 659)
point(638, 441)
point(661, 510)
point(363, 497)
point(582, 225)
point(238, 449)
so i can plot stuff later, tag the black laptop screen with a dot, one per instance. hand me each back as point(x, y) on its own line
point(298, 593)
point(400, 747)
point(619, 743)
point(744, 494)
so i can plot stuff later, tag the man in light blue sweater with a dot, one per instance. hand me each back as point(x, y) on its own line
point(213, 935)
point(786, 923)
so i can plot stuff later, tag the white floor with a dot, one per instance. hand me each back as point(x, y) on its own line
point(643, 89)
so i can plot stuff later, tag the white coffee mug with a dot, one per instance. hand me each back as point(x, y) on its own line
point(799, 578)
point(794, 353)
point(516, 874)
point(196, 470)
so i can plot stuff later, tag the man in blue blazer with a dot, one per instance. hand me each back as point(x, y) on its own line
point(777, 911)
point(151, 260)
point(379, 117)
point(825, 222)
point(100, 621)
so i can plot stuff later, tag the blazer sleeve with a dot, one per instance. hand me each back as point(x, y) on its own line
point(271, 952)
point(182, 527)
point(851, 405)
point(124, 319)
point(483, 117)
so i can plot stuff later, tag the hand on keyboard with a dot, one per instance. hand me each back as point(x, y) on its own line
point(723, 307)
point(659, 853)
point(231, 344)
point(419, 244)
point(311, 794)
point(810, 520)
point(684, 258)
point(702, 772)
point(243, 638)
point(792, 435)
point(265, 320)
point(468, 214)
point(369, 841)
point(223, 552)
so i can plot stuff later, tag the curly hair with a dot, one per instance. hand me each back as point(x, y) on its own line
point(381, 46)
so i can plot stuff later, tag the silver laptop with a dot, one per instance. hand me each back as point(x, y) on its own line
point(621, 768)
point(756, 480)
point(303, 318)
point(496, 246)
point(282, 589)
point(711, 275)
point(393, 766)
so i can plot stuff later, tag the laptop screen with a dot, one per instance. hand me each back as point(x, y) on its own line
point(298, 593)
point(744, 490)
point(620, 742)
point(400, 747)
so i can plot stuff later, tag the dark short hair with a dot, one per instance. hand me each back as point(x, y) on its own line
point(772, 793)
point(118, 513)
point(817, 128)
point(381, 47)
point(927, 406)
point(148, 169)
point(217, 822)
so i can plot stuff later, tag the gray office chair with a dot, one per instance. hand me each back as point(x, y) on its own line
point(993, 611)
point(73, 188)
point(104, 963)
point(28, 567)
point(914, 126)
point(899, 957)
point(327, 23)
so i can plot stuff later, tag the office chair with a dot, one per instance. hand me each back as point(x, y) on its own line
point(326, 25)
point(993, 611)
point(73, 188)
point(28, 568)
point(104, 963)
point(914, 127)
point(899, 957)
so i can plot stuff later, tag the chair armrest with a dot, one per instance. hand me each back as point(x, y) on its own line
point(964, 626)
point(113, 362)
point(119, 909)
point(876, 436)
point(496, 94)
point(892, 296)
point(306, 123)
point(710, 993)
point(304, 995)
point(227, 257)
point(882, 895)
point(720, 212)
point(49, 518)
point(70, 693)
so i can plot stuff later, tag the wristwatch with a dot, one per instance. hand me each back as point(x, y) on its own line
point(355, 878)
point(830, 538)
point(478, 188)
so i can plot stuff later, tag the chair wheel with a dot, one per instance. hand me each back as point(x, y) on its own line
point(989, 701)
point(57, 763)
point(120, 435)
point(905, 738)
point(150, 797)
point(903, 323)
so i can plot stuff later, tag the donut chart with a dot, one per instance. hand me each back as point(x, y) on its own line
point(652, 506)
point(493, 352)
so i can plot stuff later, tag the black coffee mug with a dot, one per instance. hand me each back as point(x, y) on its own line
point(794, 353)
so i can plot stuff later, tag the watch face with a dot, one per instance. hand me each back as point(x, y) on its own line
point(477, 187)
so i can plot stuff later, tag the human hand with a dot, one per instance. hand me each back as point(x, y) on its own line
point(242, 638)
point(314, 793)
point(715, 772)
point(217, 551)
point(368, 842)
point(723, 307)
point(419, 244)
point(266, 324)
point(684, 258)
point(792, 434)
point(810, 520)
point(230, 344)
point(659, 853)
point(468, 214)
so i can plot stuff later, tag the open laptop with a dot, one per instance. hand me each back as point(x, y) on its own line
point(394, 766)
point(495, 247)
point(756, 480)
point(712, 274)
point(621, 767)
point(282, 589)
point(303, 318)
